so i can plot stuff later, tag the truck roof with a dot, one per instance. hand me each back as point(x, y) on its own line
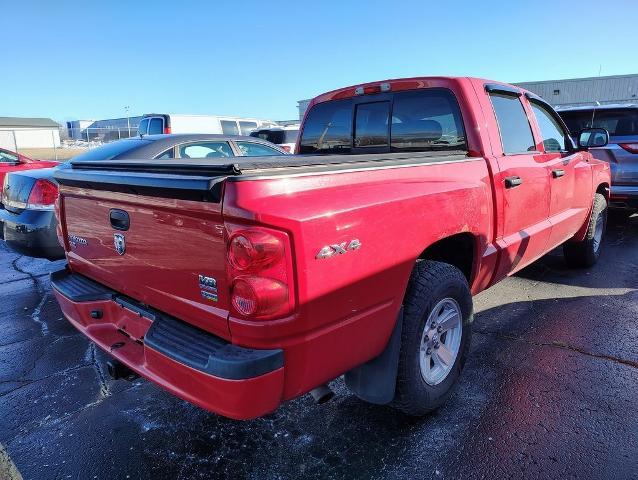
point(401, 84)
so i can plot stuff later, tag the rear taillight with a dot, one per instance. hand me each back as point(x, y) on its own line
point(630, 147)
point(259, 296)
point(254, 250)
point(167, 130)
point(43, 195)
point(260, 274)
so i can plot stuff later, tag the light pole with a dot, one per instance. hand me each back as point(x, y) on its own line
point(128, 121)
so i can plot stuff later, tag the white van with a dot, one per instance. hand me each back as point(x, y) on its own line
point(156, 123)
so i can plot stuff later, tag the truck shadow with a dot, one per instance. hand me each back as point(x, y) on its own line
point(525, 368)
point(619, 238)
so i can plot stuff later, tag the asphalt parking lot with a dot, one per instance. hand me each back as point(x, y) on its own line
point(550, 390)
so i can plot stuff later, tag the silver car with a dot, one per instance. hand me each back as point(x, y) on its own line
point(621, 121)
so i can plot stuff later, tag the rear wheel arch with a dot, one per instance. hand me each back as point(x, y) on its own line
point(458, 250)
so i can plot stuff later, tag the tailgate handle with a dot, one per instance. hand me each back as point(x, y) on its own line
point(119, 219)
point(558, 173)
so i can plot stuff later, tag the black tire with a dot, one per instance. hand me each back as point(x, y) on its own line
point(430, 283)
point(585, 253)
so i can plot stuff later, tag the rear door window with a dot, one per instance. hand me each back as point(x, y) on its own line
point(229, 127)
point(513, 124)
point(428, 119)
point(252, 149)
point(205, 150)
point(371, 124)
point(620, 122)
point(328, 128)
point(156, 126)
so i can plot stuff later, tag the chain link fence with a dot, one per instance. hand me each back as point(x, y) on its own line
point(60, 143)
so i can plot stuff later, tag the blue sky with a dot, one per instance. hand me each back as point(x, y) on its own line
point(66, 59)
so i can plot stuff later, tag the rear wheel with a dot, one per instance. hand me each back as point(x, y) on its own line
point(586, 252)
point(435, 337)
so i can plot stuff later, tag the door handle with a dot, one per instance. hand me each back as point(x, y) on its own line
point(558, 173)
point(511, 182)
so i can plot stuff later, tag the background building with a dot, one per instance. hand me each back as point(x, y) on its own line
point(19, 133)
point(586, 91)
point(571, 92)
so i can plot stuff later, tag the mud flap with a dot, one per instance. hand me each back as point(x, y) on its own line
point(375, 381)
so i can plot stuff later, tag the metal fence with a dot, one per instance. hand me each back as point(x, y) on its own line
point(101, 134)
point(59, 143)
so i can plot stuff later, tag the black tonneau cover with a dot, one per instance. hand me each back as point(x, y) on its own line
point(201, 179)
point(241, 165)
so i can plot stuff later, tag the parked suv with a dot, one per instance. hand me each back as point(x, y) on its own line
point(621, 121)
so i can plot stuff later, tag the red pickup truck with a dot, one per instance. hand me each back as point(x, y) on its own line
point(241, 283)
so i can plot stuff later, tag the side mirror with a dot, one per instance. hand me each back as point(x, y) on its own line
point(593, 137)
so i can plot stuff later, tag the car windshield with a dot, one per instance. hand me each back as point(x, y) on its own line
point(618, 122)
point(112, 150)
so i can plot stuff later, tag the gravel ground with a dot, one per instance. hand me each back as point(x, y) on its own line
point(550, 390)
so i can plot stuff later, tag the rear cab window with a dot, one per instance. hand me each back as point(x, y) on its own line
point(423, 120)
point(371, 124)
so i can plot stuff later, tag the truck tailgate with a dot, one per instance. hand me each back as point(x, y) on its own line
point(151, 238)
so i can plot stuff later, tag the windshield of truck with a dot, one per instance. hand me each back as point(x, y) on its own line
point(618, 122)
